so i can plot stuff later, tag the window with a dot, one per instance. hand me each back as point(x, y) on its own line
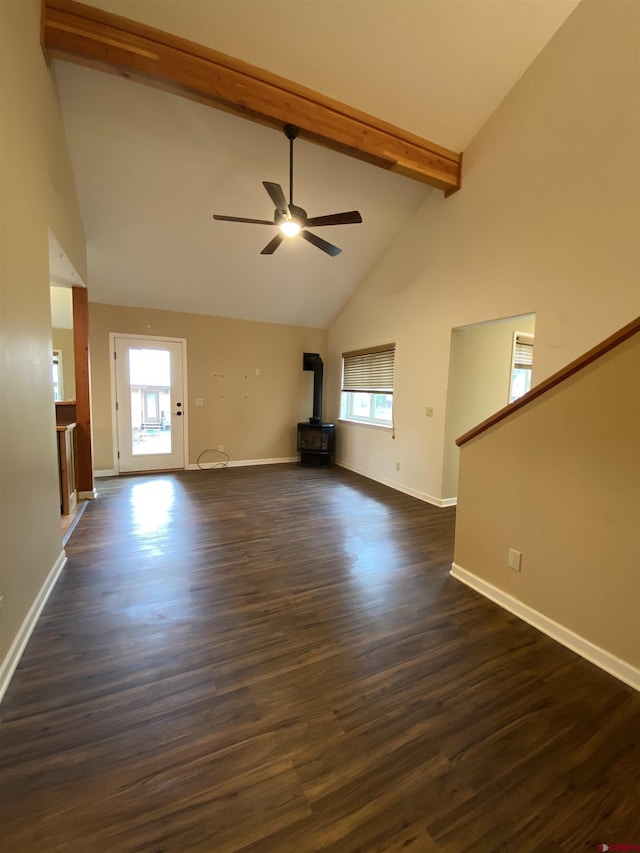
point(367, 385)
point(56, 374)
point(521, 365)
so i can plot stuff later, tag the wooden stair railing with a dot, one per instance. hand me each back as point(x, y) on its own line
point(579, 363)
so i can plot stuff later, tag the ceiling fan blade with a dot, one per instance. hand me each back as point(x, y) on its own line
point(329, 248)
point(347, 218)
point(277, 197)
point(242, 219)
point(270, 248)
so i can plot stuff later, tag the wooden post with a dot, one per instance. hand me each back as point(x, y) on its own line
point(84, 458)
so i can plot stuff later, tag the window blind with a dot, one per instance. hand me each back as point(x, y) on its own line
point(370, 370)
point(523, 354)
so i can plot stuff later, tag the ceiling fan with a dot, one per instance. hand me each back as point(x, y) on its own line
point(291, 219)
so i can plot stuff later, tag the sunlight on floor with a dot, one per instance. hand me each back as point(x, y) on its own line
point(151, 503)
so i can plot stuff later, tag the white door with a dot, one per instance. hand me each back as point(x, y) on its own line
point(150, 410)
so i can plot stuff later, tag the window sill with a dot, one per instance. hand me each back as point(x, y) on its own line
point(368, 424)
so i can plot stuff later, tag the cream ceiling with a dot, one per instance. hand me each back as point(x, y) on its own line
point(151, 168)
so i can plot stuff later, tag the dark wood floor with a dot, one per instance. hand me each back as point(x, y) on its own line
point(276, 659)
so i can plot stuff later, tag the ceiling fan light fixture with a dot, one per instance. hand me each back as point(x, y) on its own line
point(290, 227)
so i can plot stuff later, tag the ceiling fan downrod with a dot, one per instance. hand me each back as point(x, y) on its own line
point(291, 132)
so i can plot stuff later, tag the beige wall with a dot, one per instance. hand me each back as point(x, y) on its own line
point(547, 222)
point(36, 193)
point(569, 504)
point(479, 382)
point(253, 416)
point(62, 339)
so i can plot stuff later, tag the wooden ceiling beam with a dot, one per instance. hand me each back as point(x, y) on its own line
point(92, 37)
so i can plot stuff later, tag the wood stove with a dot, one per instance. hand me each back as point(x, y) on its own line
point(316, 440)
point(316, 443)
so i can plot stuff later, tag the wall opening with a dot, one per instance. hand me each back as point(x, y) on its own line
point(480, 381)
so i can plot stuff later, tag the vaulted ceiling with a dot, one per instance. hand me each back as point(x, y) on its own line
point(151, 167)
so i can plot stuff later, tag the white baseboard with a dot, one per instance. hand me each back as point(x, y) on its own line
point(240, 463)
point(414, 493)
point(233, 463)
point(448, 502)
point(594, 654)
point(12, 658)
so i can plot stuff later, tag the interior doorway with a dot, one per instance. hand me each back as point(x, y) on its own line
point(70, 335)
point(481, 367)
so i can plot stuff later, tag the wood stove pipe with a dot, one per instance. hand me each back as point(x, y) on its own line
point(312, 361)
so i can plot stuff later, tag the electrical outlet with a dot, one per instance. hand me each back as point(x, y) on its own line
point(397, 466)
point(199, 401)
point(429, 411)
point(515, 560)
point(221, 448)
